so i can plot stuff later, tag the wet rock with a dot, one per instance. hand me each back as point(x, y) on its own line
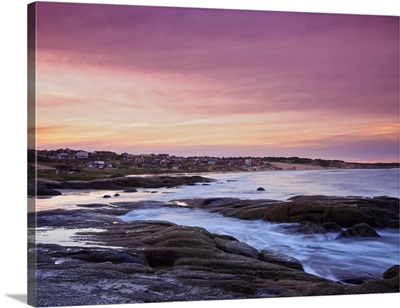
point(391, 272)
point(236, 247)
point(352, 277)
point(358, 230)
point(123, 183)
point(161, 261)
point(331, 227)
point(308, 227)
point(177, 232)
point(164, 257)
point(93, 205)
point(73, 219)
point(130, 190)
point(106, 196)
point(280, 259)
point(342, 211)
point(116, 195)
point(260, 189)
point(42, 190)
point(252, 213)
point(98, 256)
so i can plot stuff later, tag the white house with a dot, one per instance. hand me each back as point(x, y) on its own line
point(63, 156)
point(82, 154)
point(100, 164)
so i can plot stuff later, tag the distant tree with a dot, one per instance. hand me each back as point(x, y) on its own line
point(323, 163)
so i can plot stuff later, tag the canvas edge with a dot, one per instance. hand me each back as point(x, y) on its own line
point(31, 145)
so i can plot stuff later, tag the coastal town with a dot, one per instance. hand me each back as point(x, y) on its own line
point(68, 161)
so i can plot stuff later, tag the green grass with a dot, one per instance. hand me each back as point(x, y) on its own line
point(94, 173)
point(124, 170)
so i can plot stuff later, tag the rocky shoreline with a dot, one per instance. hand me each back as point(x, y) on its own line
point(380, 212)
point(47, 187)
point(156, 261)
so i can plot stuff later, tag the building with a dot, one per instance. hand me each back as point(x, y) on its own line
point(100, 164)
point(103, 155)
point(63, 169)
point(82, 154)
point(64, 156)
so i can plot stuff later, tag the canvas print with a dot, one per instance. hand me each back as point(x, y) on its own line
point(182, 154)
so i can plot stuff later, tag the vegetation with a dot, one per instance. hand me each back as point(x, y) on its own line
point(86, 169)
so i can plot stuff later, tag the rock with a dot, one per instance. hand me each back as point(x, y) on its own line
point(344, 211)
point(79, 218)
point(352, 277)
point(331, 226)
point(120, 183)
point(391, 272)
point(309, 227)
point(159, 261)
point(253, 213)
point(96, 255)
point(116, 195)
point(130, 190)
point(358, 230)
point(42, 190)
point(93, 205)
point(236, 247)
point(183, 233)
point(347, 216)
point(260, 189)
point(280, 259)
point(106, 196)
point(161, 257)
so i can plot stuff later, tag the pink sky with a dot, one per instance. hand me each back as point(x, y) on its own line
point(217, 82)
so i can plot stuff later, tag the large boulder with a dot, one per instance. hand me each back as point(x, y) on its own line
point(358, 230)
point(309, 227)
point(351, 276)
point(41, 190)
point(391, 272)
point(344, 211)
point(331, 226)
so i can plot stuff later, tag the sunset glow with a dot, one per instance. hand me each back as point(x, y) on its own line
point(217, 82)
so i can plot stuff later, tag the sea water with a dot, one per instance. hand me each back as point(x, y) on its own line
point(323, 254)
point(278, 185)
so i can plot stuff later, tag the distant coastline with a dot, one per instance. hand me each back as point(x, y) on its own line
point(68, 164)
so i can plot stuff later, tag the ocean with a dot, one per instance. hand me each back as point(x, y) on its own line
point(278, 185)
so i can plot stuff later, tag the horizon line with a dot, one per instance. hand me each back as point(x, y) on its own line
point(225, 156)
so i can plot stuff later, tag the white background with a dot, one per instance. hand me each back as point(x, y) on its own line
point(13, 145)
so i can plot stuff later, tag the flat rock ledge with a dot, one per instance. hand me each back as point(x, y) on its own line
point(156, 261)
point(331, 213)
point(45, 187)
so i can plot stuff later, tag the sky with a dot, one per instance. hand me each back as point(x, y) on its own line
point(217, 82)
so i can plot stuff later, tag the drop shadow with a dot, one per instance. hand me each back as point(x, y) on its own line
point(23, 298)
